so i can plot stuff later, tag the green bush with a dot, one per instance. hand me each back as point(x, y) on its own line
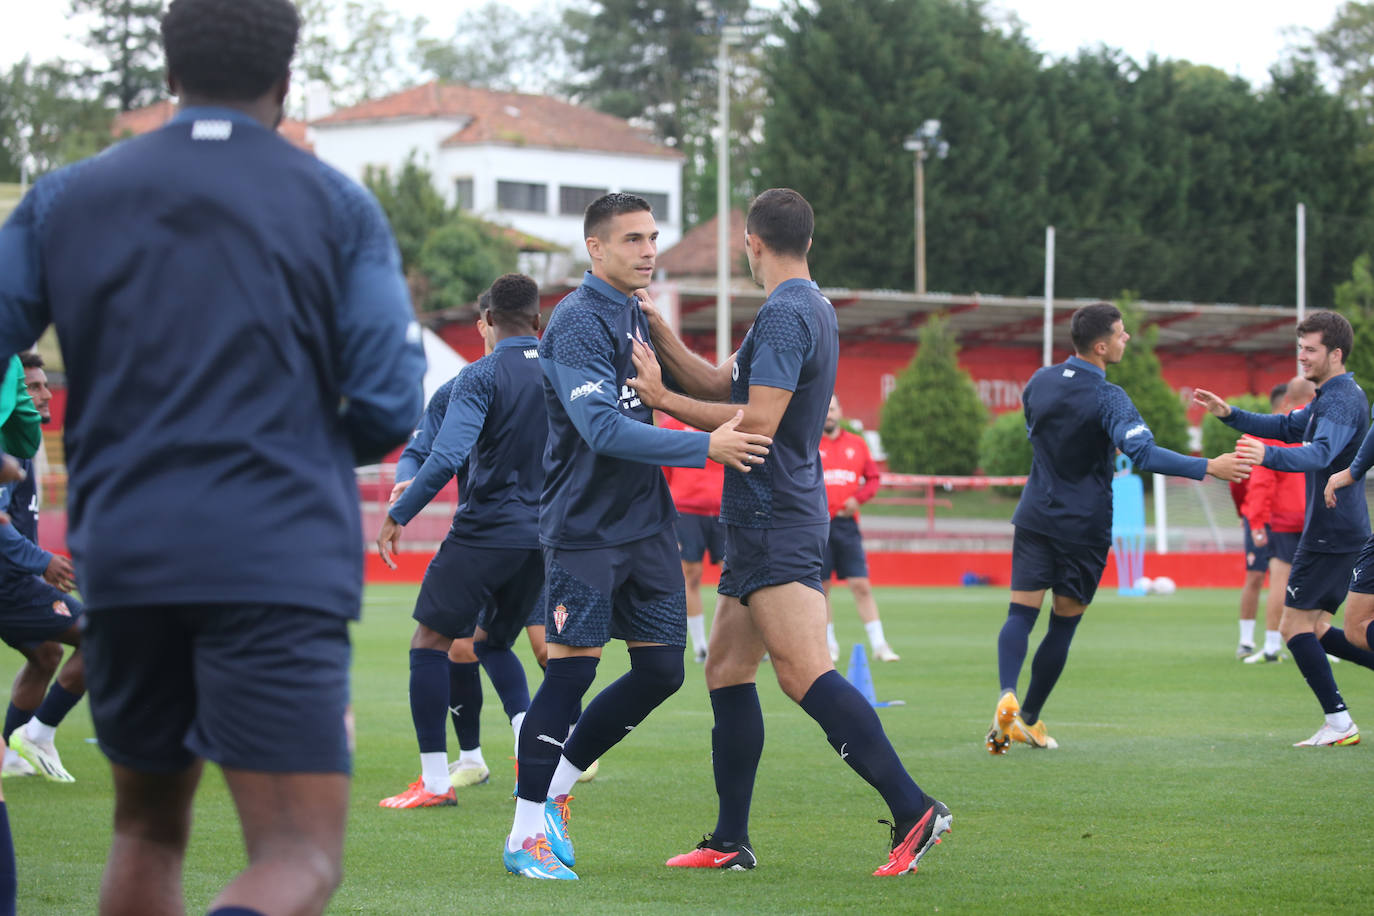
point(1004, 450)
point(460, 259)
point(1217, 437)
point(933, 420)
point(1139, 374)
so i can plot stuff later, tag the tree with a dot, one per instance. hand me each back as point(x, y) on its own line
point(1355, 300)
point(460, 259)
point(127, 33)
point(1346, 50)
point(412, 205)
point(933, 420)
point(47, 120)
point(359, 50)
point(1139, 374)
point(1217, 437)
point(1005, 449)
point(498, 47)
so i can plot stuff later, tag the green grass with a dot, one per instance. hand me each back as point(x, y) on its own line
point(1174, 789)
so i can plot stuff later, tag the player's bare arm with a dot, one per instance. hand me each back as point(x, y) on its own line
point(698, 377)
point(1231, 466)
point(762, 413)
point(1251, 449)
point(1214, 405)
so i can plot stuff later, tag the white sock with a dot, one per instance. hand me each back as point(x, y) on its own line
point(515, 722)
point(875, 634)
point(830, 634)
point(696, 627)
point(1247, 632)
point(1273, 641)
point(11, 754)
point(1340, 721)
point(473, 756)
point(529, 822)
point(434, 771)
point(38, 732)
point(564, 778)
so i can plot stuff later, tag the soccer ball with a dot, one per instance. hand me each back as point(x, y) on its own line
point(1164, 586)
point(1144, 584)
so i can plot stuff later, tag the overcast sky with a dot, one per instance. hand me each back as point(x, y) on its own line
point(1243, 37)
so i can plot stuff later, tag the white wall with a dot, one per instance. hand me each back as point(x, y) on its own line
point(351, 148)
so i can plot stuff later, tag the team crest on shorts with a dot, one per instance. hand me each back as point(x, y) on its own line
point(60, 607)
point(560, 617)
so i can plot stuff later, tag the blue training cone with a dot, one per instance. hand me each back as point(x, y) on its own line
point(861, 676)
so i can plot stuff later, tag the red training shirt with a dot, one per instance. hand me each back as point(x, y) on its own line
point(696, 491)
point(849, 470)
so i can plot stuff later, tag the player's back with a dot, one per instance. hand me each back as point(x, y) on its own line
point(201, 267)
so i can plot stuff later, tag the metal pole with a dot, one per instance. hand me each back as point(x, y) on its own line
point(1047, 352)
point(723, 335)
point(1161, 517)
point(1302, 265)
point(920, 223)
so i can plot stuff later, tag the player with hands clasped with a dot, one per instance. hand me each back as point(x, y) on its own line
point(1330, 429)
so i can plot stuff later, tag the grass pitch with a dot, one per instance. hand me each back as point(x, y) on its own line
point(1174, 789)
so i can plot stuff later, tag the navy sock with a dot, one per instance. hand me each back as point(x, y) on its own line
point(57, 704)
point(1310, 657)
point(507, 676)
point(655, 674)
point(9, 880)
point(853, 730)
point(1012, 643)
point(736, 746)
point(1369, 635)
point(429, 698)
point(1048, 664)
point(1335, 643)
point(15, 717)
point(465, 702)
point(546, 722)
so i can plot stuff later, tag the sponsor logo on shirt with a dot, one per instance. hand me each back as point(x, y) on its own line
point(1137, 430)
point(1069, 373)
point(837, 476)
point(629, 398)
point(586, 388)
point(532, 353)
point(212, 130)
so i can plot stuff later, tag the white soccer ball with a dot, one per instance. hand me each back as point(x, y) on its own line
point(1164, 586)
point(1144, 584)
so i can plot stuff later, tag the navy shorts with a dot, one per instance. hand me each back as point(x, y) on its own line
point(253, 687)
point(844, 551)
point(756, 558)
point(631, 591)
point(33, 612)
point(464, 585)
point(1283, 545)
point(1362, 577)
point(1319, 581)
point(1256, 558)
point(1039, 562)
point(700, 535)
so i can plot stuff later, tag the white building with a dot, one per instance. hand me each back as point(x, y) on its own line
point(525, 161)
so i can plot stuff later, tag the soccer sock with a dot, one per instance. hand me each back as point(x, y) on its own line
point(516, 721)
point(1012, 643)
point(565, 680)
point(429, 698)
point(853, 730)
point(434, 772)
point(465, 702)
point(1273, 641)
point(507, 677)
point(54, 708)
point(9, 881)
point(1369, 635)
point(15, 717)
point(1247, 632)
point(696, 628)
point(564, 777)
point(1335, 643)
point(830, 635)
point(1048, 664)
point(736, 746)
point(1310, 657)
point(875, 633)
point(655, 674)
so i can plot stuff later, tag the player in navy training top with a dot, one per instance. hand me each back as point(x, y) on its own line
point(37, 615)
point(1328, 560)
point(777, 524)
point(238, 335)
point(1075, 420)
point(606, 523)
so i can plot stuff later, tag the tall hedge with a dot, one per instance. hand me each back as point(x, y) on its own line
point(933, 420)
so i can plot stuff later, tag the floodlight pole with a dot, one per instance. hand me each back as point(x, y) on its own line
point(920, 221)
point(1047, 352)
point(724, 338)
point(1302, 266)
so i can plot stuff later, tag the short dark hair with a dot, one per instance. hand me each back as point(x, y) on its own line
point(783, 220)
point(484, 301)
point(608, 206)
point(1335, 331)
point(1276, 394)
point(514, 301)
point(31, 359)
point(1091, 323)
point(230, 50)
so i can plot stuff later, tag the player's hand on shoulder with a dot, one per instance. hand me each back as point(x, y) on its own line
point(60, 574)
point(646, 305)
point(736, 449)
point(648, 382)
point(1214, 405)
point(1335, 482)
point(1230, 467)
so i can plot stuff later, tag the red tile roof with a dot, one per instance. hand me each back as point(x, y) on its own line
point(695, 254)
point(511, 118)
point(142, 120)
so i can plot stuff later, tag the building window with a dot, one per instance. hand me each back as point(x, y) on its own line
point(462, 189)
point(656, 199)
point(573, 201)
point(523, 196)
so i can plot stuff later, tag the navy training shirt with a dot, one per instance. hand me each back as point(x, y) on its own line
point(422, 439)
point(495, 417)
point(794, 345)
point(20, 555)
point(237, 334)
point(1331, 429)
point(1076, 420)
point(603, 484)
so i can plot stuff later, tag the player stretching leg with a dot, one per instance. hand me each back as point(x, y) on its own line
point(606, 523)
point(777, 524)
point(1076, 420)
